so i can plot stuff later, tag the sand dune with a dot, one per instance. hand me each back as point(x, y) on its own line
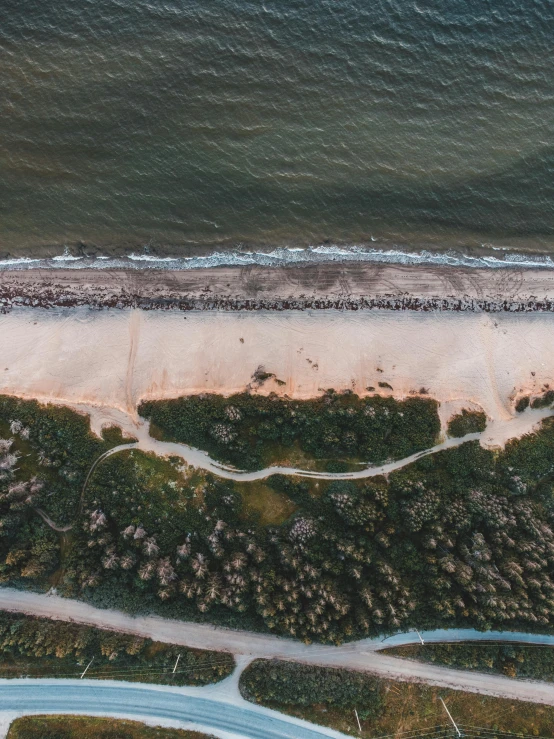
point(117, 358)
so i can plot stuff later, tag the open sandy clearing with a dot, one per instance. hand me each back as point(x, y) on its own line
point(117, 358)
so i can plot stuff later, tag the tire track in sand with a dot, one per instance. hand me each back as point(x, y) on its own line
point(134, 336)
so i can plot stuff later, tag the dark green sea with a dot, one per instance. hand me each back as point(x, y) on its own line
point(183, 127)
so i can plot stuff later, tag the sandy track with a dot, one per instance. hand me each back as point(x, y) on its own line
point(495, 435)
point(362, 655)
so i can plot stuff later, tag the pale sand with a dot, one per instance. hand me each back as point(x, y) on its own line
point(117, 358)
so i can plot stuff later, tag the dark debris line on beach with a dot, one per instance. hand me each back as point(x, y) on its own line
point(51, 298)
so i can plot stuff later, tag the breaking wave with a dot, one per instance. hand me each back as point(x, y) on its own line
point(286, 256)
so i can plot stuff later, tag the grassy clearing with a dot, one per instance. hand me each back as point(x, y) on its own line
point(386, 707)
point(87, 727)
point(270, 507)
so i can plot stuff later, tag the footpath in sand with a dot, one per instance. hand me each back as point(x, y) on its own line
point(117, 358)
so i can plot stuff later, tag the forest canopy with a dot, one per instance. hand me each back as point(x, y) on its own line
point(463, 537)
point(253, 431)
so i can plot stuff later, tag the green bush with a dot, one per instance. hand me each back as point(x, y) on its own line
point(251, 431)
point(544, 400)
point(522, 404)
point(467, 422)
point(291, 683)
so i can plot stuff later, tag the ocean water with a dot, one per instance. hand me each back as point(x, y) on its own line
point(190, 128)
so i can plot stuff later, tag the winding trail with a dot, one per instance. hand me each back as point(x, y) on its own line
point(95, 464)
point(495, 434)
point(46, 518)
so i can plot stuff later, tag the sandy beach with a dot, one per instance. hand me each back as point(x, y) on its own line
point(328, 285)
point(118, 358)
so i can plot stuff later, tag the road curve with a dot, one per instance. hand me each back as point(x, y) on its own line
point(362, 655)
point(91, 697)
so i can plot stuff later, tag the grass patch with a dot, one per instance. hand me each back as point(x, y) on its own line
point(88, 727)
point(268, 506)
point(385, 707)
point(513, 660)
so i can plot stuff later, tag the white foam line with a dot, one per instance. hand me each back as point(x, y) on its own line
point(287, 255)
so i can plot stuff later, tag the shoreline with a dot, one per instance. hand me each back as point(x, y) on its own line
point(342, 286)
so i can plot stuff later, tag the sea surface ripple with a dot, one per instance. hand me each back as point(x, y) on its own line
point(188, 128)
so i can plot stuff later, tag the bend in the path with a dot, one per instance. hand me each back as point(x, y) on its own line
point(97, 461)
point(496, 433)
point(46, 518)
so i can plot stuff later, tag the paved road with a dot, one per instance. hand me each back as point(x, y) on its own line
point(363, 655)
point(90, 697)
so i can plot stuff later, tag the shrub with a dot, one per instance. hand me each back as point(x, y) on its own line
point(303, 685)
point(261, 430)
point(467, 422)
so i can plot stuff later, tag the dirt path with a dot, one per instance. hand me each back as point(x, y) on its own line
point(45, 517)
point(363, 655)
point(496, 434)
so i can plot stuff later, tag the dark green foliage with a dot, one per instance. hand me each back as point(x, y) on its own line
point(41, 647)
point(467, 422)
point(250, 431)
point(463, 537)
point(514, 660)
point(522, 404)
point(87, 727)
point(528, 463)
point(45, 455)
point(544, 400)
point(295, 684)
point(57, 446)
point(114, 436)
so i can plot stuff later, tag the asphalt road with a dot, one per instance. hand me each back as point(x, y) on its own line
point(363, 655)
point(37, 696)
